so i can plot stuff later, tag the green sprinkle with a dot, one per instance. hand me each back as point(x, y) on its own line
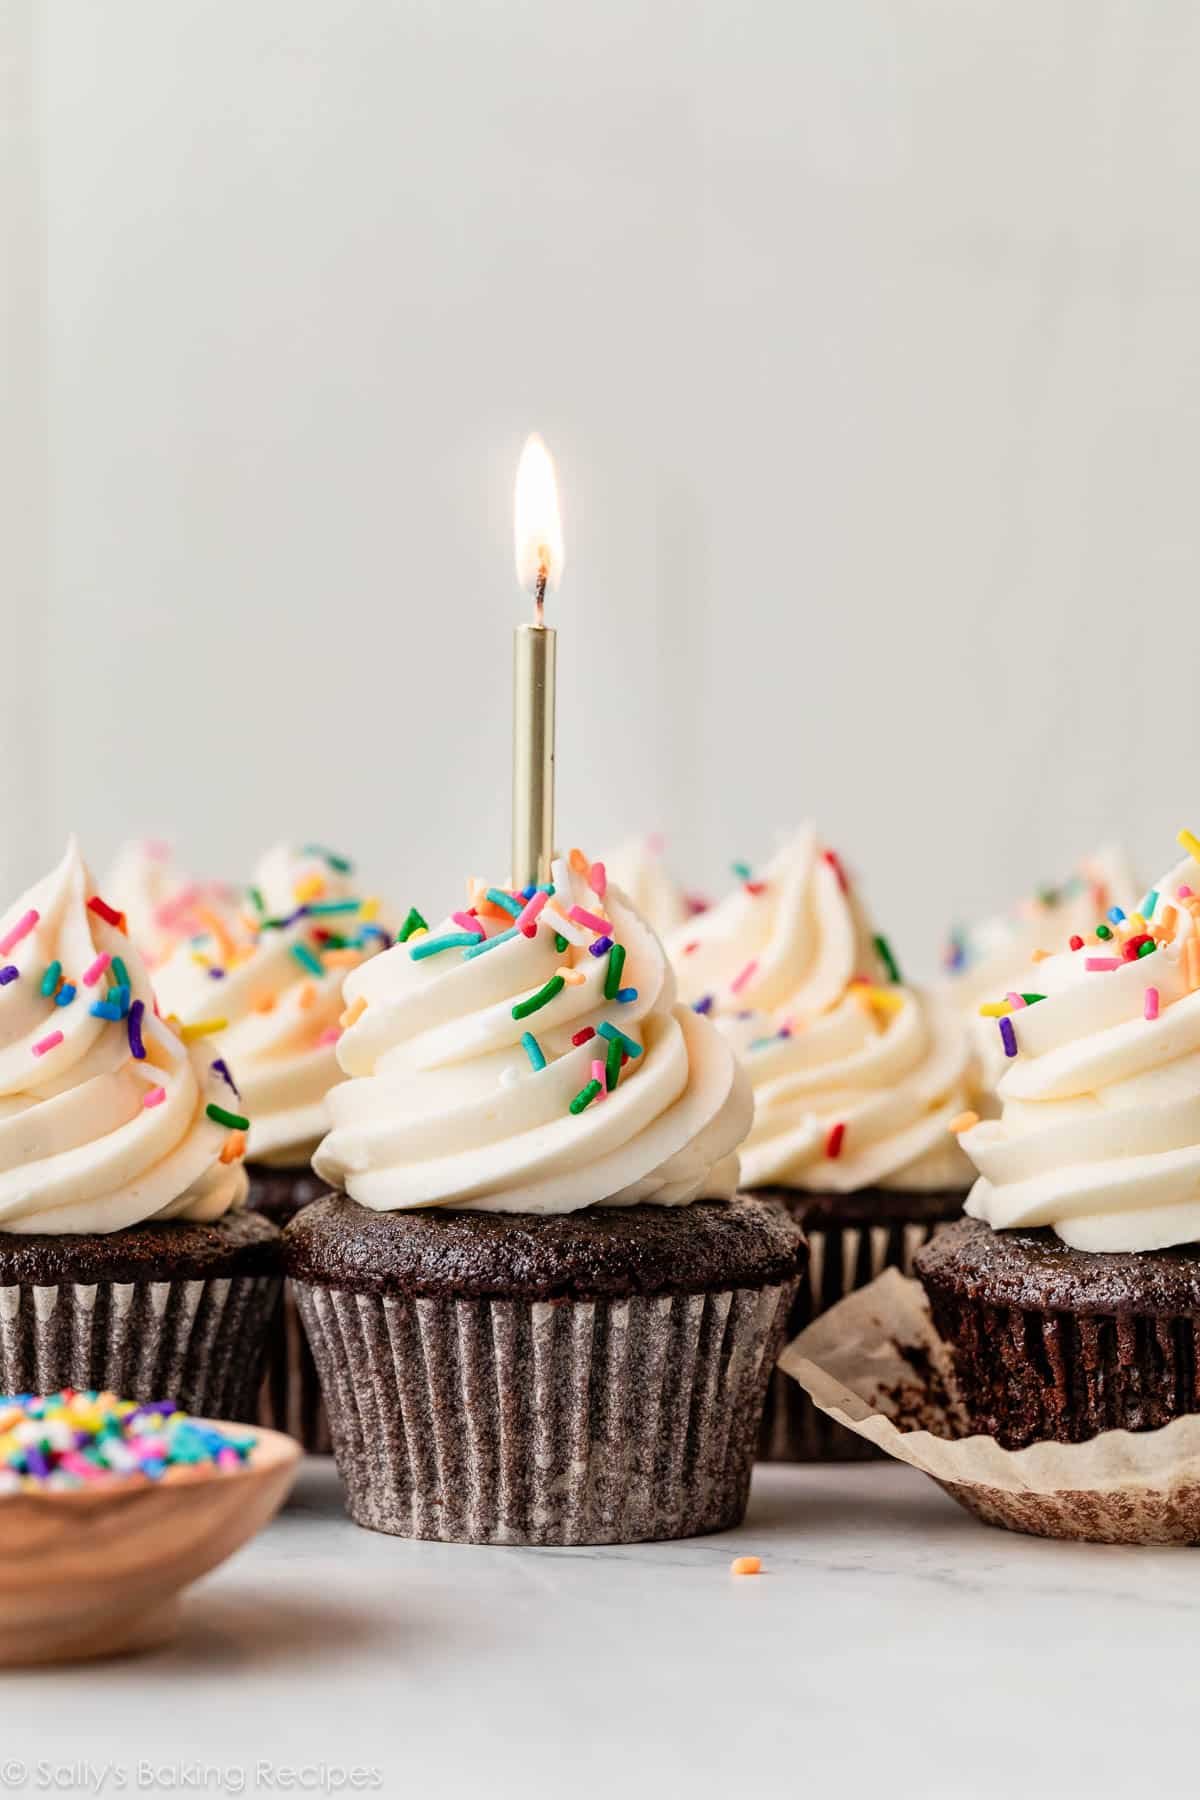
point(1102, 931)
point(306, 959)
point(323, 907)
point(501, 937)
point(742, 870)
point(1032, 999)
point(499, 898)
point(612, 1066)
point(533, 1050)
point(341, 865)
point(413, 922)
point(219, 1116)
point(1146, 949)
point(615, 1036)
point(612, 975)
point(257, 901)
point(543, 997)
point(50, 978)
point(560, 942)
point(585, 1096)
point(428, 946)
point(884, 952)
point(120, 973)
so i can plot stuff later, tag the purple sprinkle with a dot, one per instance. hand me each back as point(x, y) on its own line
point(134, 1027)
point(36, 1461)
point(9, 974)
point(220, 1067)
point(704, 1005)
point(601, 947)
point(1008, 1036)
point(216, 974)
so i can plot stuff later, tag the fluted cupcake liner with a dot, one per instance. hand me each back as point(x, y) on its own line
point(290, 1397)
point(199, 1342)
point(842, 1259)
point(545, 1422)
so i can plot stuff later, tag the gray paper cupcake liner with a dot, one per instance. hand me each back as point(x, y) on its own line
point(842, 1258)
point(571, 1422)
point(290, 1398)
point(200, 1343)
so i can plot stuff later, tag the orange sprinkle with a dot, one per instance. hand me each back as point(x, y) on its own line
point(306, 995)
point(353, 1013)
point(264, 1003)
point(343, 959)
point(1040, 955)
point(1191, 964)
point(1167, 925)
point(572, 977)
point(964, 1121)
point(235, 1146)
point(579, 862)
point(215, 925)
point(746, 1565)
point(311, 888)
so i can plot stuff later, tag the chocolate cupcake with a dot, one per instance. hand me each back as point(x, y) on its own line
point(540, 1315)
point(271, 974)
point(126, 1260)
point(1070, 1295)
point(856, 1078)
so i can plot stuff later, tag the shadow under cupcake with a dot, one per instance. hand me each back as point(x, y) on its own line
point(538, 1312)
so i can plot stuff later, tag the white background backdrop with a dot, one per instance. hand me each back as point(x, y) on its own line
point(865, 336)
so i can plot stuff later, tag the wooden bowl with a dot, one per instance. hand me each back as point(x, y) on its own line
point(97, 1571)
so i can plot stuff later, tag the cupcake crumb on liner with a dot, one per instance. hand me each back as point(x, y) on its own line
point(545, 1422)
point(875, 1364)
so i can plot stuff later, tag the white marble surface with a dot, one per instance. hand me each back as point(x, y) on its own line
point(892, 1645)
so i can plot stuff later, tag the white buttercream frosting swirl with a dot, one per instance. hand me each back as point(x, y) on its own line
point(161, 902)
point(272, 976)
point(94, 1137)
point(855, 1074)
point(454, 1101)
point(638, 868)
point(1099, 1132)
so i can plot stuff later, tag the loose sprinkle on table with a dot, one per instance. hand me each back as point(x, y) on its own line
point(746, 1565)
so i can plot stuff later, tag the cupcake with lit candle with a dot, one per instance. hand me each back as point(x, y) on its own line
point(162, 904)
point(993, 956)
point(127, 1260)
point(267, 984)
point(856, 1075)
point(540, 1310)
point(1070, 1293)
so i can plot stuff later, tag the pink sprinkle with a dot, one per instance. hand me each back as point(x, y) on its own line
point(598, 880)
point(20, 930)
point(1103, 962)
point(1015, 1000)
point(330, 1035)
point(598, 1075)
point(154, 1096)
point(468, 921)
point(747, 974)
point(1184, 892)
point(228, 1458)
point(1150, 1010)
point(93, 973)
point(526, 919)
point(48, 1043)
point(594, 923)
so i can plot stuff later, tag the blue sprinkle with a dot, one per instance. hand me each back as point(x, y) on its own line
point(1149, 903)
point(533, 1050)
point(431, 946)
point(616, 1036)
point(625, 995)
point(1115, 914)
point(65, 995)
point(501, 937)
point(504, 900)
point(103, 1009)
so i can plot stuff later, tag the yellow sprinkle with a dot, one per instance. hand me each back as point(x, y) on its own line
point(965, 1121)
point(572, 977)
point(883, 999)
point(995, 1009)
point(201, 1029)
point(423, 931)
point(1191, 844)
point(199, 957)
point(1136, 922)
point(311, 888)
point(353, 1013)
point(369, 910)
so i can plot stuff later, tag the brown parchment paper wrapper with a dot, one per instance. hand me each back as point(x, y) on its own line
point(875, 1364)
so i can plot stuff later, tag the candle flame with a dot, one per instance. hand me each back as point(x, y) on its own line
point(537, 526)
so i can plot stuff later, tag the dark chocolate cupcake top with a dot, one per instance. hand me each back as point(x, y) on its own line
point(527, 1055)
point(603, 1253)
point(1034, 1271)
point(108, 1118)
